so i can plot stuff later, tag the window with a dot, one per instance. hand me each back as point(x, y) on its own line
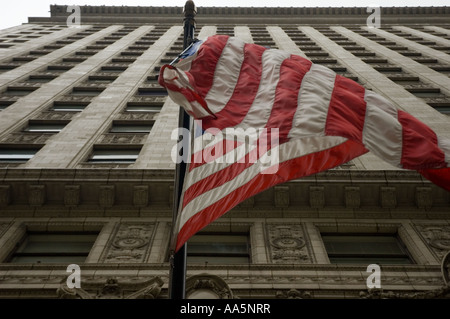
point(5, 104)
point(53, 247)
point(152, 92)
point(16, 155)
point(218, 248)
point(87, 91)
point(120, 156)
point(144, 108)
point(43, 127)
point(131, 128)
point(19, 91)
point(41, 78)
point(365, 249)
point(69, 106)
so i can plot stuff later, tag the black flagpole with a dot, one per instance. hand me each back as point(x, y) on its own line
point(177, 280)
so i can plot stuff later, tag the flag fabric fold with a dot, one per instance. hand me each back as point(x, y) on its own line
point(268, 117)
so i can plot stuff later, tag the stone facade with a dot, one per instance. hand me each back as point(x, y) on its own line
point(105, 68)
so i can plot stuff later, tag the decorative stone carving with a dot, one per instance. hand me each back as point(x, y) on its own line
point(437, 238)
point(288, 244)
point(36, 195)
point(424, 198)
point(378, 293)
point(26, 138)
point(140, 196)
point(106, 195)
point(159, 99)
point(130, 243)
point(122, 138)
point(112, 289)
point(388, 197)
point(352, 197)
point(292, 294)
point(5, 195)
point(281, 196)
point(316, 196)
point(55, 116)
point(206, 286)
point(72, 195)
point(136, 116)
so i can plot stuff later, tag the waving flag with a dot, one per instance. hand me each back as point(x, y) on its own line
point(271, 116)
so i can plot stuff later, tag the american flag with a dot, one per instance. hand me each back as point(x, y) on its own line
point(303, 114)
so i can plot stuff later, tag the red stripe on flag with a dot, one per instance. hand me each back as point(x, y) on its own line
point(204, 65)
point(218, 178)
point(440, 177)
point(244, 91)
point(347, 110)
point(292, 71)
point(291, 169)
point(211, 153)
point(420, 145)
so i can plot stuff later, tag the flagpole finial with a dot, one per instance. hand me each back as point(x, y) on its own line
point(190, 9)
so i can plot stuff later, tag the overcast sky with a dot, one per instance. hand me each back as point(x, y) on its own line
point(16, 12)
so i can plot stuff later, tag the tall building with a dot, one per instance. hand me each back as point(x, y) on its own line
point(87, 176)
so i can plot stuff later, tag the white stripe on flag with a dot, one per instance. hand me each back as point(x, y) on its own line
point(313, 100)
point(261, 108)
point(287, 151)
point(226, 75)
point(382, 132)
point(444, 145)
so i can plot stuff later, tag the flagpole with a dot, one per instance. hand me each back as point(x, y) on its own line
point(177, 276)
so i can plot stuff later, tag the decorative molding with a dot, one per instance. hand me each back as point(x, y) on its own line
point(140, 196)
point(122, 138)
point(352, 197)
point(112, 289)
point(293, 294)
point(379, 293)
point(281, 196)
point(317, 196)
point(36, 195)
point(107, 195)
point(72, 195)
point(436, 237)
point(205, 285)
point(423, 197)
point(130, 243)
point(388, 197)
point(288, 244)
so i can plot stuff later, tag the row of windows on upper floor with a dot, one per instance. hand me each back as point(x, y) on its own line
point(143, 42)
point(9, 40)
point(215, 248)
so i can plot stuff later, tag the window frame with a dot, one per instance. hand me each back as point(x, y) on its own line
point(233, 257)
point(22, 245)
point(405, 254)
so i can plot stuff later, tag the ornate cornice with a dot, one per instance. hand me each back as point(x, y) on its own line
point(250, 15)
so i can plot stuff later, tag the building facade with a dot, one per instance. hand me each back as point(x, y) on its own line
point(87, 177)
